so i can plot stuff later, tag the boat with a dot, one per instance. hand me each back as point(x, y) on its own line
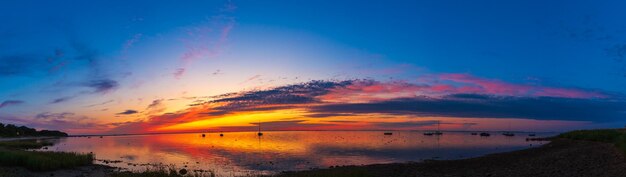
point(221, 134)
point(438, 132)
point(429, 133)
point(485, 134)
point(203, 135)
point(388, 133)
point(474, 133)
point(508, 134)
point(532, 134)
point(260, 133)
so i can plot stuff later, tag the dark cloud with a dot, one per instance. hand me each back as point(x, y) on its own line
point(322, 115)
point(98, 104)
point(275, 126)
point(482, 106)
point(291, 94)
point(272, 99)
point(10, 103)
point(128, 112)
point(219, 111)
point(412, 124)
point(59, 100)
point(102, 85)
point(47, 115)
point(155, 107)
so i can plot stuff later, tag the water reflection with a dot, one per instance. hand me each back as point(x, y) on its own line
point(246, 152)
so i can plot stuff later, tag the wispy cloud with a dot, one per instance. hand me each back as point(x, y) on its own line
point(62, 99)
point(10, 103)
point(208, 39)
point(497, 87)
point(128, 112)
point(102, 85)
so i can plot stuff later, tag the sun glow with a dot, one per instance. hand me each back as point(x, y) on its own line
point(236, 120)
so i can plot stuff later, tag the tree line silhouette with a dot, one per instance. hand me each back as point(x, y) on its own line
point(11, 130)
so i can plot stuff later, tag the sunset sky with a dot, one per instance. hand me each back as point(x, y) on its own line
point(110, 67)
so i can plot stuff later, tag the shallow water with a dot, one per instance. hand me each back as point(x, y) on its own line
point(246, 153)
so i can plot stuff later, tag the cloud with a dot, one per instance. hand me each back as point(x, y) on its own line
point(99, 104)
point(59, 100)
point(497, 87)
point(102, 85)
point(485, 106)
point(275, 98)
point(208, 39)
point(128, 112)
point(179, 73)
point(130, 42)
point(49, 116)
point(155, 107)
point(400, 125)
point(251, 79)
point(10, 103)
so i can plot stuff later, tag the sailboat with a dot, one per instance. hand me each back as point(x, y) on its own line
point(438, 132)
point(260, 133)
point(508, 133)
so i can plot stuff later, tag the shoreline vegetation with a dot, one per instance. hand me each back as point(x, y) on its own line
point(576, 153)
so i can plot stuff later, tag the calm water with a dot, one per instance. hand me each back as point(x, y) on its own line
point(244, 152)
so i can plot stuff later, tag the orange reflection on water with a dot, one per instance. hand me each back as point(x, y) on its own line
point(245, 152)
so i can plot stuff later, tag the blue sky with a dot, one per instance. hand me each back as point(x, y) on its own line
point(99, 58)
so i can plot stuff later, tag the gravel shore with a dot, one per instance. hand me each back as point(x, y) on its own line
point(561, 157)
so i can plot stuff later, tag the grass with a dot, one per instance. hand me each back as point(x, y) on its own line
point(14, 153)
point(43, 161)
point(614, 136)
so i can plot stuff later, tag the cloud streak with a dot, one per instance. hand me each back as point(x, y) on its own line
point(10, 103)
point(102, 86)
point(128, 112)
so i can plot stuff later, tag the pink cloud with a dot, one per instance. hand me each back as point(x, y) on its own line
point(179, 73)
point(445, 84)
point(207, 40)
point(472, 84)
point(370, 90)
point(129, 43)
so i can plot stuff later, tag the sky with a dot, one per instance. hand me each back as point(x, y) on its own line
point(115, 67)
